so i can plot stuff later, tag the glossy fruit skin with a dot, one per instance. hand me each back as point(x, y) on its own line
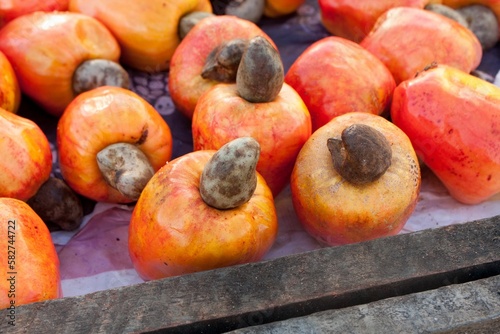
point(147, 31)
point(281, 127)
point(28, 252)
point(452, 119)
point(353, 20)
point(173, 232)
point(407, 40)
point(27, 161)
point(9, 10)
point(10, 93)
point(46, 48)
point(337, 212)
point(185, 82)
point(278, 8)
point(98, 118)
point(335, 76)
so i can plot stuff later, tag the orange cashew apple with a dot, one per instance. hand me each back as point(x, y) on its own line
point(357, 178)
point(27, 161)
point(148, 32)
point(203, 210)
point(111, 142)
point(57, 55)
point(278, 8)
point(10, 94)
point(30, 264)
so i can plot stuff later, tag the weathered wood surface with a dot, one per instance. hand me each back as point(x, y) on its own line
point(472, 307)
point(240, 296)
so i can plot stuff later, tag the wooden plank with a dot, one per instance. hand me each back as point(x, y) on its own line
point(240, 296)
point(472, 307)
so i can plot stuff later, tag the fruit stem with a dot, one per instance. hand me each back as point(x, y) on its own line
point(126, 168)
point(362, 155)
point(95, 73)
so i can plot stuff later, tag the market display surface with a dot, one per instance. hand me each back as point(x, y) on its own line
point(96, 256)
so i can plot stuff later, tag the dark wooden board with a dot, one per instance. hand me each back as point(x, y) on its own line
point(472, 307)
point(240, 296)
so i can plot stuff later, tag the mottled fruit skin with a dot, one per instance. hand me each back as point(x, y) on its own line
point(407, 40)
point(173, 231)
point(335, 211)
point(185, 82)
point(453, 121)
point(147, 31)
point(10, 10)
point(335, 76)
point(46, 48)
point(10, 93)
point(29, 252)
point(27, 161)
point(353, 20)
point(279, 8)
point(281, 127)
point(101, 117)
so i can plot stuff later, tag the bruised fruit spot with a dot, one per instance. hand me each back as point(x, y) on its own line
point(144, 135)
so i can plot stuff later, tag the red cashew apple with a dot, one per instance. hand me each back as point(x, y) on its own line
point(11, 9)
point(408, 39)
point(335, 76)
point(57, 55)
point(201, 211)
point(259, 105)
point(27, 161)
point(357, 178)
point(111, 142)
point(452, 119)
point(10, 94)
point(29, 261)
point(148, 33)
point(185, 82)
point(353, 20)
